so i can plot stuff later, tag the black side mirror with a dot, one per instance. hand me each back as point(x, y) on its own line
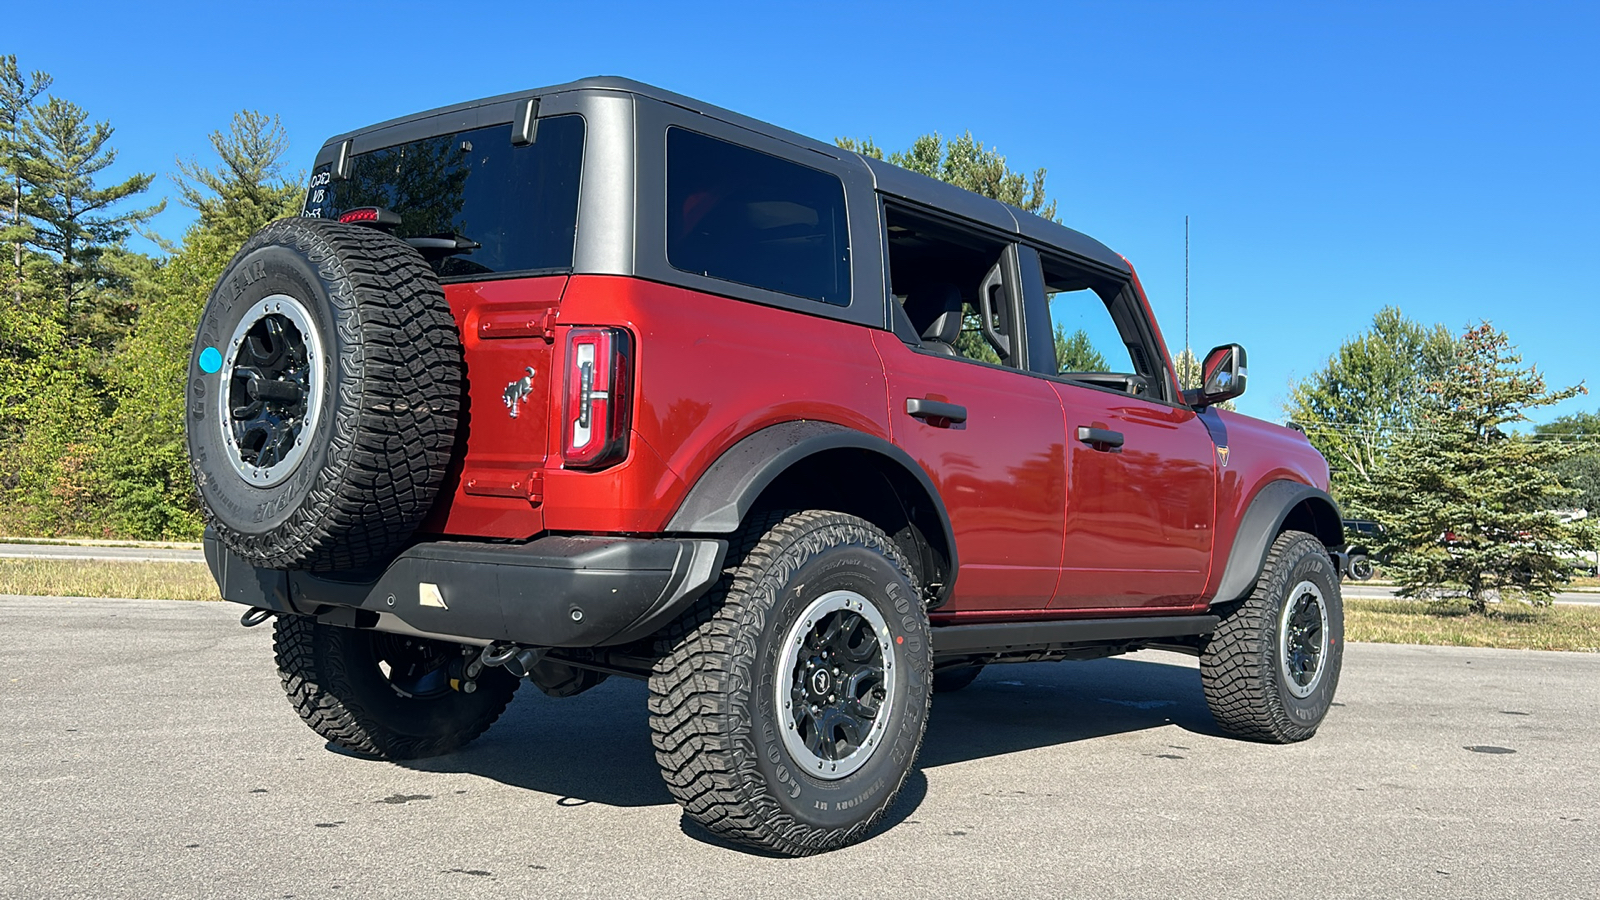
point(1225, 375)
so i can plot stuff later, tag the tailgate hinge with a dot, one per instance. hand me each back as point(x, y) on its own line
point(527, 486)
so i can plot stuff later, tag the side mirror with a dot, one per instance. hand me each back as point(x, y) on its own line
point(1224, 373)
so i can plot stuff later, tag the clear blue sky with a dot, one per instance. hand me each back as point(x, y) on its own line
point(1333, 158)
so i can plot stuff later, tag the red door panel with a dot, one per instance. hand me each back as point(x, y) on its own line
point(1000, 473)
point(1139, 517)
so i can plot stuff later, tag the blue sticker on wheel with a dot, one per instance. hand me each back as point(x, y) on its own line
point(210, 360)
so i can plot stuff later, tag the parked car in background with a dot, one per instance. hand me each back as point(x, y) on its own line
point(1360, 554)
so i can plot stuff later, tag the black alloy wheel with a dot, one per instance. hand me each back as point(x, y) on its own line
point(273, 397)
point(833, 684)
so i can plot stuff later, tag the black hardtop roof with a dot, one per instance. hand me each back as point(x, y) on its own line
point(888, 178)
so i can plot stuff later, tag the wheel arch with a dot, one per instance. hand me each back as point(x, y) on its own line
point(821, 465)
point(1278, 507)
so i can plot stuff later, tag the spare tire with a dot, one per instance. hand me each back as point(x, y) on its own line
point(323, 395)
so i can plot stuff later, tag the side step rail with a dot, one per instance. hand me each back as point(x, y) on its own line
point(1005, 637)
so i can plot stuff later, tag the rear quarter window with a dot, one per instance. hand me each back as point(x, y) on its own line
point(748, 217)
point(519, 203)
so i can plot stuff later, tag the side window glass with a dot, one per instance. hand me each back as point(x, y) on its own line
point(1086, 338)
point(939, 275)
point(1091, 345)
point(744, 216)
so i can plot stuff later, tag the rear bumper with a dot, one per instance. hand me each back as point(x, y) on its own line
point(550, 592)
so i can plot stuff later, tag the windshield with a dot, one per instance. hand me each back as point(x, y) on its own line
point(518, 203)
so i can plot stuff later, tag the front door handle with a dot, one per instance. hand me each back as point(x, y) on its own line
point(925, 409)
point(1100, 438)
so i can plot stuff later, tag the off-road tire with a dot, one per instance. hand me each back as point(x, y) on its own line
point(391, 386)
point(333, 681)
point(714, 723)
point(1246, 685)
point(948, 681)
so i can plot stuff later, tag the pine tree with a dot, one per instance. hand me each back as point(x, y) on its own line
point(1468, 506)
point(247, 188)
point(18, 93)
point(72, 218)
point(1075, 352)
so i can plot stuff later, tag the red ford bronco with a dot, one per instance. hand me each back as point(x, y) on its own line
point(600, 380)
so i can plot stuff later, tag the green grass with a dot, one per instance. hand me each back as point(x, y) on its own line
point(107, 578)
point(1452, 625)
point(1374, 621)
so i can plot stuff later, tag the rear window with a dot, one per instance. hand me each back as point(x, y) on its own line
point(740, 215)
point(518, 203)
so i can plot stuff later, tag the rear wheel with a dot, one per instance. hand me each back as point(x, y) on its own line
point(1361, 568)
point(1271, 667)
point(385, 695)
point(788, 706)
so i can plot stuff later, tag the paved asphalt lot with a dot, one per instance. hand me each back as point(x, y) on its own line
point(147, 751)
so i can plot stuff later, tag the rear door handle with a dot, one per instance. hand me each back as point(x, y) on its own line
point(1100, 438)
point(923, 408)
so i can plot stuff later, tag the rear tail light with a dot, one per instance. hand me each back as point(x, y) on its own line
point(599, 395)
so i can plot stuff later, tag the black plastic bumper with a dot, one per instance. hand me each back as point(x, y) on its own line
point(551, 592)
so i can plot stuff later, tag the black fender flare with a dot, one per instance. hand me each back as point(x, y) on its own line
point(1262, 522)
point(725, 493)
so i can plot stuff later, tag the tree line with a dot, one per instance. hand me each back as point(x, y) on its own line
point(1425, 433)
point(94, 335)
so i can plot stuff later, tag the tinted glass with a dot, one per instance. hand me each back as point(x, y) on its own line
point(519, 202)
point(1086, 337)
point(740, 215)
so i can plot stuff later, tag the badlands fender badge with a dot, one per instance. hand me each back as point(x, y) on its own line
point(1222, 454)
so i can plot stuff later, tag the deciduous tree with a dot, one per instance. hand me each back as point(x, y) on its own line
point(965, 163)
point(143, 457)
point(1581, 470)
point(1366, 394)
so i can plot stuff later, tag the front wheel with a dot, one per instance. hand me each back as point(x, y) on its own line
point(788, 706)
point(1272, 665)
point(385, 695)
point(1361, 568)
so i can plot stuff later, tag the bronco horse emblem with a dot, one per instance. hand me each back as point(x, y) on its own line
point(518, 391)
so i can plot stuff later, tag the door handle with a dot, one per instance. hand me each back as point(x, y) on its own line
point(1100, 438)
point(923, 408)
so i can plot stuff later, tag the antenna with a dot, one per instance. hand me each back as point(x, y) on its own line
point(1189, 360)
